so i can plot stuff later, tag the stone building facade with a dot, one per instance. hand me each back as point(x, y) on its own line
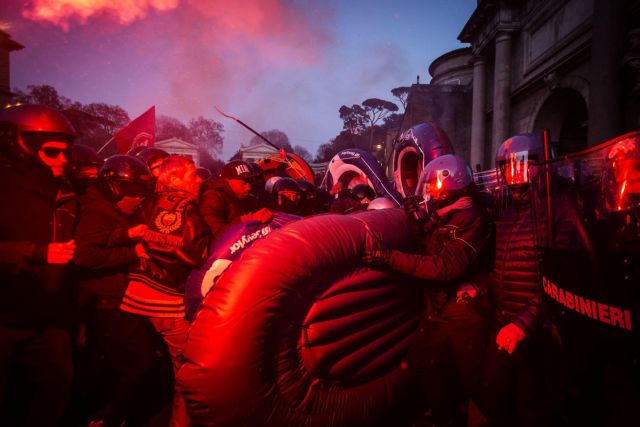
point(569, 66)
point(180, 147)
point(446, 101)
point(7, 45)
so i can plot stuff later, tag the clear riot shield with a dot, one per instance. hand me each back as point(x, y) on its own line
point(587, 216)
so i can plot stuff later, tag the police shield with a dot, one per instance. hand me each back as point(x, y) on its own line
point(587, 216)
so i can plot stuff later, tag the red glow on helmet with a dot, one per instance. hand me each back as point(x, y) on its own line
point(439, 176)
point(516, 170)
point(622, 189)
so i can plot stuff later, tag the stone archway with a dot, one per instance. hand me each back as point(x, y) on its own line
point(565, 114)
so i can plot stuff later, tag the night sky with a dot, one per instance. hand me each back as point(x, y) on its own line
point(275, 64)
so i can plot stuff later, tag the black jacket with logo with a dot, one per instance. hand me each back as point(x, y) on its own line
point(177, 241)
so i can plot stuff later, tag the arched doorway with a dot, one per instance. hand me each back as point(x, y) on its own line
point(564, 113)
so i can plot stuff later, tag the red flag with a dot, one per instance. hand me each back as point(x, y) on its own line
point(140, 132)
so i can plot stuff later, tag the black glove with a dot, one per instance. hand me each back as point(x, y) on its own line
point(376, 254)
point(413, 209)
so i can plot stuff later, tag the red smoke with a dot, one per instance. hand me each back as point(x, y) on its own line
point(202, 52)
point(64, 12)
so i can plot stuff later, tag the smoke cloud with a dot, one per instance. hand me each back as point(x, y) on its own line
point(64, 12)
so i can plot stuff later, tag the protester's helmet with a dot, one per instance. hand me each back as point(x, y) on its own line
point(308, 188)
point(515, 154)
point(24, 128)
point(381, 203)
point(256, 170)
point(133, 151)
point(85, 161)
point(84, 164)
point(271, 182)
point(152, 157)
point(288, 194)
point(362, 191)
point(257, 180)
point(445, 176)
point(286, 184)
point(204, 173)
point(122, 175)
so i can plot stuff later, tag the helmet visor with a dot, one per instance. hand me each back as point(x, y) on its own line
point(431, 185)
point(292, 196)
point(515, 168)
point(134, 189)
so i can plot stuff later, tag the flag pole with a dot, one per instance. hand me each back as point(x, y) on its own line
point(105, 145)
point(246, 126)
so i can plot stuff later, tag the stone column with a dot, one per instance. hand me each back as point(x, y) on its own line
point(501, 91)
point(605, 97)
point(478, 116)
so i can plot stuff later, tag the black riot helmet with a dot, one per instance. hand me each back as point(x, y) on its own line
point(24, 128)
point(362, 191)
point(85, 161)
point(204, 173)
point(153, 158)
point(256, 170)
point(288, 195)
point(308, 188)
point(84, 164)
point(124, 176)
point(257, 181)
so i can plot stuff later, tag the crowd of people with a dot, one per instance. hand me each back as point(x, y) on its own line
point(95, 256)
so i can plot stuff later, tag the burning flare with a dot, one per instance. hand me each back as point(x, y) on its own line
point(63, 12)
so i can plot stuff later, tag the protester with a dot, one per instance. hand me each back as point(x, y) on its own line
point(84, 165)
point(36, 227)
point(354, 199)
point(288, 196)
point(153, 158)
point(176, 241)
point(342, 202)
point(108, 238)
point(226, 200)
point(310, 203)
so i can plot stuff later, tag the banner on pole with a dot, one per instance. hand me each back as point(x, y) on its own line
point(140, 132)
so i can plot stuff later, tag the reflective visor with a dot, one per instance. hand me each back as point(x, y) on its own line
point(134, 189)
point(515, 169)
point(431, 185)
point(291, 195)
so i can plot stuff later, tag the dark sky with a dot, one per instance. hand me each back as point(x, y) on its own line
point(275, 64)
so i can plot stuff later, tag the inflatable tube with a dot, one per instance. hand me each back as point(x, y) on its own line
point(298, 333)
point(223, 251)
point(351, 163)
point(415, 148)
point(291, 165)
